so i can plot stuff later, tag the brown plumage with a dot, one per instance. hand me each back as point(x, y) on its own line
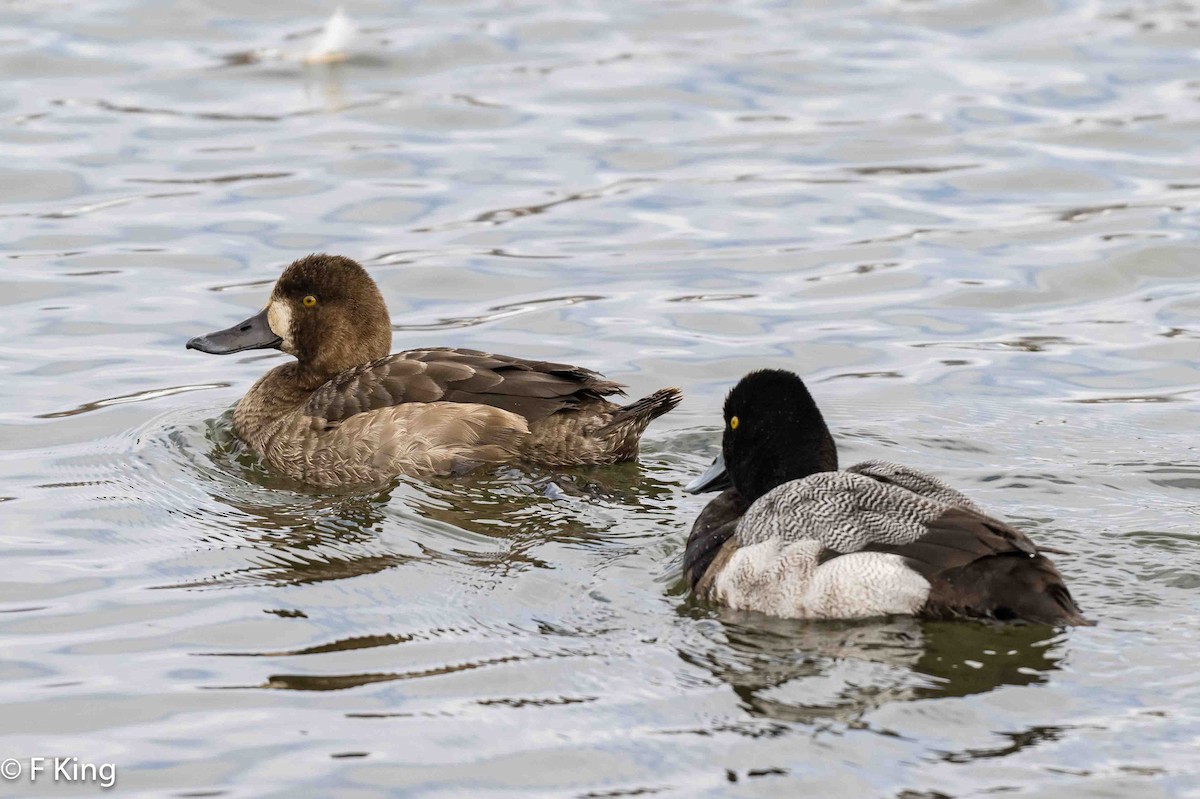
point(347, 412)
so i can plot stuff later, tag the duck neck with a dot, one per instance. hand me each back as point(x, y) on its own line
point(269, 401)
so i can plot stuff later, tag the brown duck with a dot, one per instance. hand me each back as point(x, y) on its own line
point(346, 412)
point(792, 536)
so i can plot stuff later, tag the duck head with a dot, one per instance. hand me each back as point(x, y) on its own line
point(774, 433)
point(325, 310)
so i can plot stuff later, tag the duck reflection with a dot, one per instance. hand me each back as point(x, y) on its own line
point(325, 85)
point(809, 672)
point(496, 522)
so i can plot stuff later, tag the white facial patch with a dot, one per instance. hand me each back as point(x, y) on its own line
point(279, 319)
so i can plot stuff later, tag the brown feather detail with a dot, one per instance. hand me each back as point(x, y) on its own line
point(575, 377)
point(530, 407)
point(720, 559)
point(981, 567)
point(946, 529)
point(713, 528)
point(641, 412)
point(380, 396)
point(532, 389)
point(594, 430)
point(1004, 587)
point(416, 388)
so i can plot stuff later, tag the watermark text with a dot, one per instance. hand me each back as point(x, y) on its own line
point(59, 770)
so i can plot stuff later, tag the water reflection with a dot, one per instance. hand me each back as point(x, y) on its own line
point(493, 521)
point(137, 396)
point(498, 312)
point(810, 672)
point(326, 85)
point(340, 682)
point(501, 216)
point(1017, 741)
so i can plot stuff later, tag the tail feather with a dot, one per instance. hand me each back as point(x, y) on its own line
point(641, 412)
point(1007, 586)
point(981, 567)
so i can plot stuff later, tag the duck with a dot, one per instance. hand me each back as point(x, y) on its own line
point(346, 411)
point(790, 535)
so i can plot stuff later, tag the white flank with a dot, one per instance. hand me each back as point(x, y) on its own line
point(783, 579)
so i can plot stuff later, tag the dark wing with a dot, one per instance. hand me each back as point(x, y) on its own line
point(532, 389)
point(981, 567)
point(714, 526)
point(958, 536)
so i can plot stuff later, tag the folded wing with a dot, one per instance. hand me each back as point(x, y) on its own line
point(531, 389)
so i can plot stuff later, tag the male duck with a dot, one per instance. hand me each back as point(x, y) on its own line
point(792, 536)
point(346, 412)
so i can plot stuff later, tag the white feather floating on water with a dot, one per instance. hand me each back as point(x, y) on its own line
point(334, 42)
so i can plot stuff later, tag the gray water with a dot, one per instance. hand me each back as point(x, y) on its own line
point(973, 226)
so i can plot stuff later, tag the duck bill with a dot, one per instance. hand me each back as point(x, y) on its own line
point(253, 334)
point(715, 478)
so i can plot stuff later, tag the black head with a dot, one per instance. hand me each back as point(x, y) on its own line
point(325, 309)
point(774, 433)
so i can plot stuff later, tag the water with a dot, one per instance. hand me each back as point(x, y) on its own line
point(971, 225)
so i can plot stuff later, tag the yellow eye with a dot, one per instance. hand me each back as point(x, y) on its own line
point(309, 301)
point(733, 423)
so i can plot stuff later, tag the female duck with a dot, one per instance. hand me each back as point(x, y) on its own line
point(792, 536)
point(347, 412)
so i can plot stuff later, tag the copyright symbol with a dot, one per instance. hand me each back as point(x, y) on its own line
point(10, 769)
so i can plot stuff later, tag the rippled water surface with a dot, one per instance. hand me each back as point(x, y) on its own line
point(972, 225)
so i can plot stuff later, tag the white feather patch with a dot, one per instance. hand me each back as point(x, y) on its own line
point(784, 579)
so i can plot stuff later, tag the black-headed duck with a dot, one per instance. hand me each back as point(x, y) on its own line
point(792, 536)
point(346, 412)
